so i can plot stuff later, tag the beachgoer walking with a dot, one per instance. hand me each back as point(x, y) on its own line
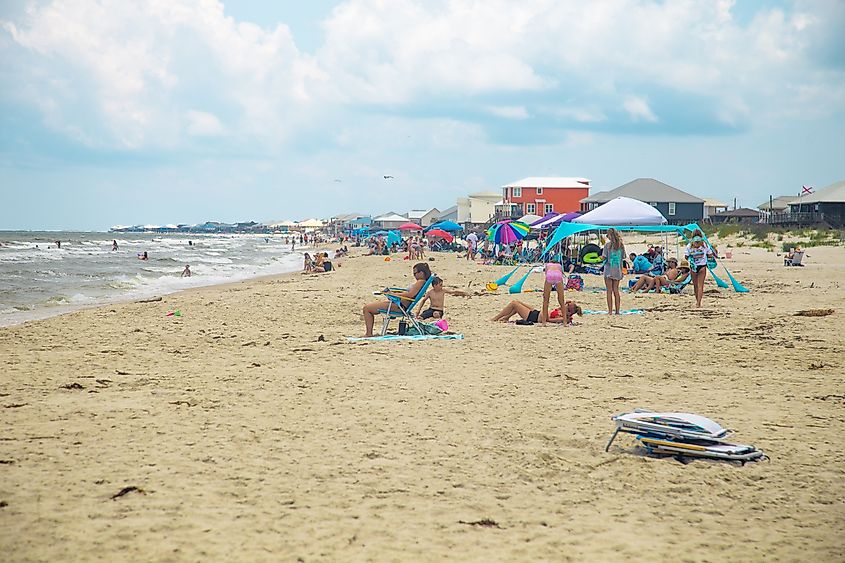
point(186, 273)
point(472, 245)
point(58, 244)
point(698, 252)
point(114, 245)
point(613, 253)
point(421, 274)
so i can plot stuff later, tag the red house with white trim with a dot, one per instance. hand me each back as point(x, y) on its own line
point(538, 196)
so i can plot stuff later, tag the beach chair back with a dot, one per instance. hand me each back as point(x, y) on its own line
point(797, 258)
point(396, 309)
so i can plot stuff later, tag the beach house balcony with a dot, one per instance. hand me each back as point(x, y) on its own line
point(796, 218)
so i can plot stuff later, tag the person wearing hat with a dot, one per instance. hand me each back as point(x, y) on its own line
point(698, 252)
point(674, 274)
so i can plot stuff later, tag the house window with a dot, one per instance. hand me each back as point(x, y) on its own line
point(671, 208)
point(530, 208)
point(517, 192)
point(539, 191)
point(550, 207)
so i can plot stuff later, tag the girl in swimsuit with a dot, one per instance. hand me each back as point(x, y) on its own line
point(554, 279)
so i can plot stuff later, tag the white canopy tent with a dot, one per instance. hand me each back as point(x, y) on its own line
point(622, 211)
point(528, 219)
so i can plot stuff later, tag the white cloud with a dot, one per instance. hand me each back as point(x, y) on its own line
point(129, 75)
point(509, 112)
point(638, 109)
point(201, 123)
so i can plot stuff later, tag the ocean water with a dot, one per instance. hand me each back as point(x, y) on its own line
point(39, 280)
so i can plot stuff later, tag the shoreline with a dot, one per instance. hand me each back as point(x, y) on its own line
point(250, 428)
point(47, 312)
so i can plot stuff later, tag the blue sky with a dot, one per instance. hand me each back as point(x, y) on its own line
point(183, 111)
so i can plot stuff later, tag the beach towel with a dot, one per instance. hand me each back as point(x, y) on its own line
point(623, 312)
point(407, 337)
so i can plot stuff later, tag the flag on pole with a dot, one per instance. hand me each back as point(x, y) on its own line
point(806, 190)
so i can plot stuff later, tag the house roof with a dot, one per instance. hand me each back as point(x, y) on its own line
point(486, 195)
point(549, 182)
point(710, 202)
point(597, 197)
point(449, 210)
point(834, 193)
point(780, 202)
point(391, 218)
point(420, 213)
point(347, 216)
point(647, 190)
point(741, 212)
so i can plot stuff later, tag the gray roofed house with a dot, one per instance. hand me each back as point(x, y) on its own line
point(743, 215)
point(778, 204)
point(450, 214)
point(826, 205)
point(676, 205)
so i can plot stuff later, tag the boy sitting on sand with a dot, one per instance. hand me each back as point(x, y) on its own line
point(436, 298)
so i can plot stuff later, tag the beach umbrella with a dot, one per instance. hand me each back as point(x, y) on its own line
point(410, 227)
point(542, 219)
point(440, 233)
point(507, 232)
point(449, 226)
point(570, 216)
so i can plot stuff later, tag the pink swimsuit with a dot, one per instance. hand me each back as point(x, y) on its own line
point(554, 273)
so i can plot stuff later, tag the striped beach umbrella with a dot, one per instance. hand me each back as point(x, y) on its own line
point(507, 232)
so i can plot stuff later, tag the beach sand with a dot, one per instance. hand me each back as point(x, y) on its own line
point(249, 438)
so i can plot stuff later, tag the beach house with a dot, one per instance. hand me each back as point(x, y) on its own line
point(423, 217)
point(824, 206)
point(741, 216)
point(676, 205)
point(478, 208)
point(448, 214)
point(713, 206)
point(540, 195)
point(779, 204)
point(388, 221)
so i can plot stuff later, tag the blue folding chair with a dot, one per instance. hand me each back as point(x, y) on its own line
point(396, 310)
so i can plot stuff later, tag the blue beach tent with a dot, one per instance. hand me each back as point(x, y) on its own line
point(568, 229)
point(448, 226)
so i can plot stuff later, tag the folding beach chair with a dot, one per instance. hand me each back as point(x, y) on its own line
point(678, 287)
point(682, 434)
point(396, 309)
point(796, 259)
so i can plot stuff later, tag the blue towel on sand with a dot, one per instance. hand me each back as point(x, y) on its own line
point(623, 312)
point(407, 337)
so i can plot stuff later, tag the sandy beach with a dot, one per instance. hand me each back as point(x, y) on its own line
point(250, 429)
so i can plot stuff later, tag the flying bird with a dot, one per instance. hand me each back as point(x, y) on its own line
point(337, 180)
point(386, 177)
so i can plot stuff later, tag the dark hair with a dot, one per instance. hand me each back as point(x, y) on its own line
point(436, 281)
point(423, 267)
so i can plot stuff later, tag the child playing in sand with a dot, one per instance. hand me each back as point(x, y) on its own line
point(436, 298)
